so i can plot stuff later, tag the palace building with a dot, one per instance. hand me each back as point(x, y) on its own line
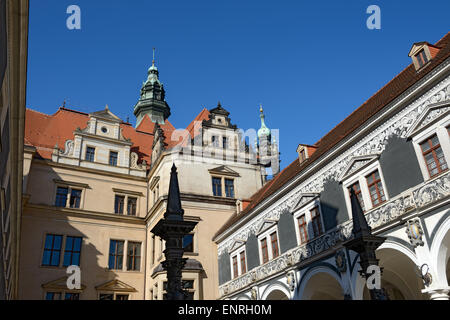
point(94, 187)
point(393, 151)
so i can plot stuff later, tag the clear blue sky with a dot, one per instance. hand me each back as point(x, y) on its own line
point(310, 63)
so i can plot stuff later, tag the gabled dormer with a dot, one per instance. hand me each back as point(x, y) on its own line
point(421, 53)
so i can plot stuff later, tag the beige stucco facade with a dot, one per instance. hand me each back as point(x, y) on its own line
point(95, 221)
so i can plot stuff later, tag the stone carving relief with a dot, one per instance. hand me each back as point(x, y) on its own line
point(133, 162)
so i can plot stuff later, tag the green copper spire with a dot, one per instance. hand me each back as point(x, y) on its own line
point(263, 132)
point(152, 100)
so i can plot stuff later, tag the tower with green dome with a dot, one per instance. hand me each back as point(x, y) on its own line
point(152, 100)
point(267, 147)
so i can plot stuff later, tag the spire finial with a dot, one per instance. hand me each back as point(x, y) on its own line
point(261, 108)
point(106, 107)
point(153, 61)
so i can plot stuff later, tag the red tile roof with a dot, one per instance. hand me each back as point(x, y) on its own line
point(45, 131)
point(377, 102)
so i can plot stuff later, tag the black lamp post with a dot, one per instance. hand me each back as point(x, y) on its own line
point(364, 243)
point(172, 228)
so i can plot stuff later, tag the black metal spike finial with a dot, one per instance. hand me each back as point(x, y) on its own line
point(360, 225)
point(174, 210)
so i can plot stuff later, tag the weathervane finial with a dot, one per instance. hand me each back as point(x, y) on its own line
point(153, 61)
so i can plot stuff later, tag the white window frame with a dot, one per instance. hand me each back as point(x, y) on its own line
point(440, 129)
point(306, 210)
point(266, 234)
point(237, 253)
point(360, 176)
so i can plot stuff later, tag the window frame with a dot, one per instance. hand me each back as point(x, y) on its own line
point(238, 253)
point(117, 158)
point(440, 129)
point(360, 176)
point(266, 235)
point(61, 250)
point(126, 196)
point(70, 187)
point(133, 257)
point(86, 153)
point(306, 211)
point(220, 185)
point(124, 252)
point(72, 251)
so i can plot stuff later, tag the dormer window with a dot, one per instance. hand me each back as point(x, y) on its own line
point(304, 152)
point(421, 58)
point(421, 53)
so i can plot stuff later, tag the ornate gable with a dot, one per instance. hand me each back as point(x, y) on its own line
point(266, 224)
point(60, 284)
point(115, 285)
point(224, 171)
point(429, 115)
point(356, 164)
point(236, 244)
point(302, 200)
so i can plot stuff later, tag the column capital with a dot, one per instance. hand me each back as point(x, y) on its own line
point(438, 293)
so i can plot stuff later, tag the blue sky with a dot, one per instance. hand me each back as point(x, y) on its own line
point(310, 63)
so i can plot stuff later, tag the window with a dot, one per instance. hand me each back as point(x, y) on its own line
point(421, 58)
point(217, 186)
point(358, 193)
point(434, 156)
point(61, 196)
point(215, 141)
point(113, 158)
point(229, 188)
point(52, 250)
point(75, 198)
point(112, 296)
point(72, 251)
point(243, 264)
point(302, 227)
point(71, 296)
point(315, 220)
point(264, 251)
point(188, 243)
point(238, 262)
point(302, 155)
point(134, 256)
point(53, 296)
point(131, 206)
point(225, 142)
point(375, 188)
point(90, 154)
point(235, 267)
point(274, 242)
point(118, 204)
point(115, 254)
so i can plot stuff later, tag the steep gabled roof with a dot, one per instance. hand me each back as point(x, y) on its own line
point(404, 80)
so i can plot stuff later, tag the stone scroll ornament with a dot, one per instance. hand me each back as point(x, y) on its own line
point(414, 232)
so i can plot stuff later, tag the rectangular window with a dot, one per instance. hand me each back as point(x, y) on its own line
point(264, 251)
point(421, 58)
point(134, 256)
point(72, 251)
point(375, 188)
point(53, 296)
point(106, 296)
point(229, 188)
point(121, 297)
point(358, 193)
point(302, 227)
point(90, 154)
point(188, 243)
point(217, 186)
point(71, 296)
point(315, 220)
point(113, 158)
point(75, 198)
point(274, 242)
point(215, 141)
point(115, 254)
point(225, 142)
point(243, 263)
point(118, 204)
point(235, 267)
point(61, 196)
point(131, 206)
point(52, 250)
point(434, 156)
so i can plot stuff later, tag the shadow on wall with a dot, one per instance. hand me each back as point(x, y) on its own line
point(333, 205)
